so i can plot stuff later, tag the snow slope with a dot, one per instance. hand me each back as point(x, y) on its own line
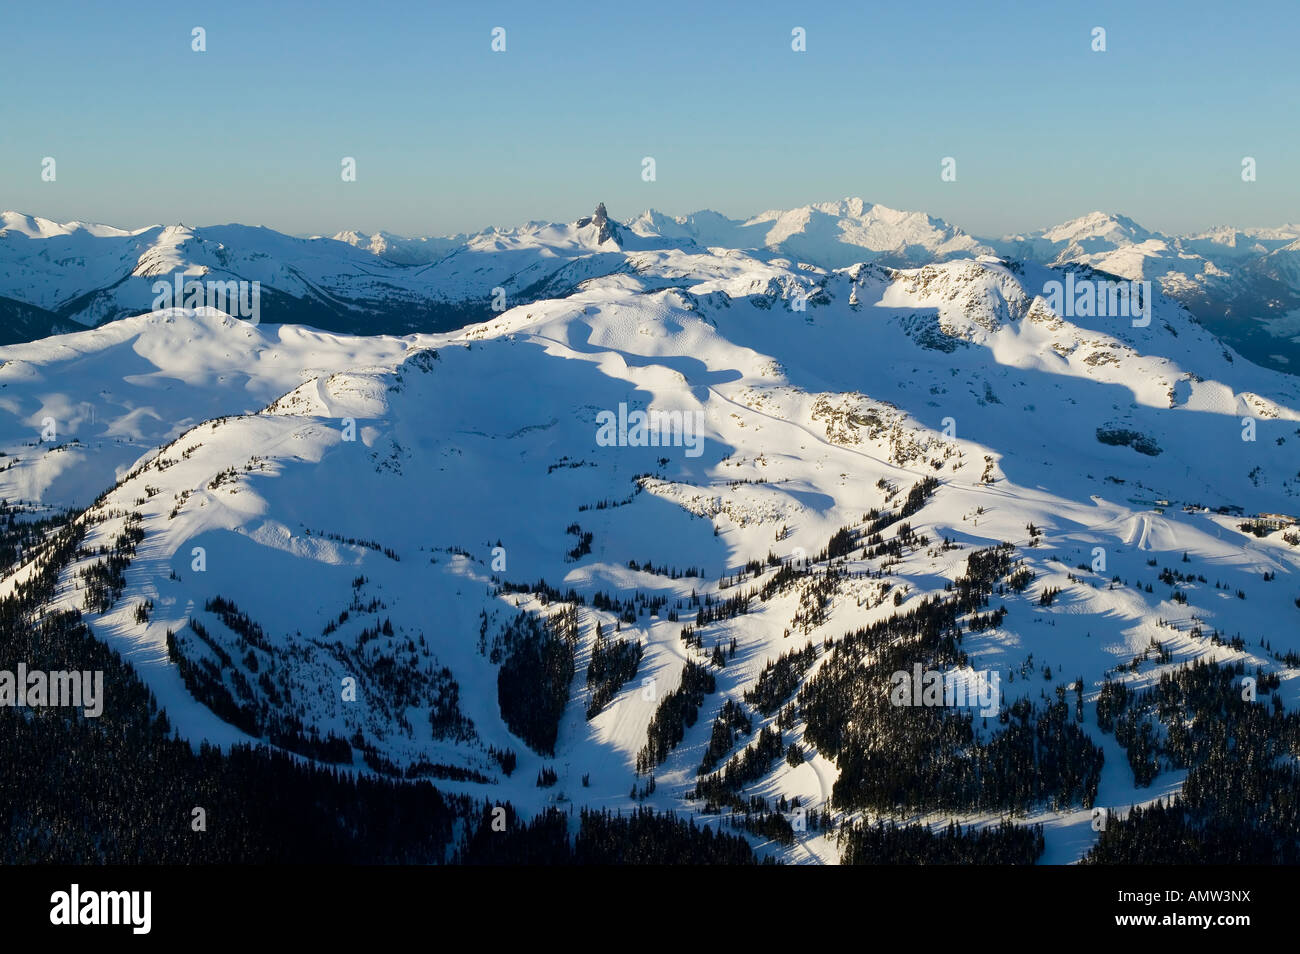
point(334, 484)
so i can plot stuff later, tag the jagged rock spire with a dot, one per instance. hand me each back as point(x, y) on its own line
point(600, 219)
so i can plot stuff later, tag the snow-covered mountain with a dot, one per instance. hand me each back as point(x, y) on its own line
point(1244, 284)
point(59, 276)
point(399, 249)
point(828, 234)
point(415, 554)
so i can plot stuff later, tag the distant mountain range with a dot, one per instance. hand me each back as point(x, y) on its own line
point(1242, 284)
point(465, 556)
point(425, 556)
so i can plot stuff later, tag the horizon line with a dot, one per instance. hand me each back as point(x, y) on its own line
point(679, 217)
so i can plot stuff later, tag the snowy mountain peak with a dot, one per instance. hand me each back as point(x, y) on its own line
point(1092, 231)
point(59, 275)
point(33, 226)
point(599, 220)
point(830, 234)
point(399, 249)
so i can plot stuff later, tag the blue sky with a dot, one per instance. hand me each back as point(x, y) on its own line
point(450, 136)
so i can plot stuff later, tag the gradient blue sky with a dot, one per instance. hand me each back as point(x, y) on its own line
point(449, 136)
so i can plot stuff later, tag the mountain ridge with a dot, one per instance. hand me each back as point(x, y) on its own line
point(434, 516)
point(1244, 284)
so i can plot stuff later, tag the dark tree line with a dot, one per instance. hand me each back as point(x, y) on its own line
point(24, 530)
point(744, 768)
point(106, 577)
point(643, 837)
point(677, 711)
point(671, 572)
point(213, 678)
point(121, 788)
point(886, 843)
point(613, 663)
point(903, 541)
point(1240, 803)
point(716, 610)
point(780, 678)
point(731, 724)
point(534, 680)
point(917, 496)
point(917, 757)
